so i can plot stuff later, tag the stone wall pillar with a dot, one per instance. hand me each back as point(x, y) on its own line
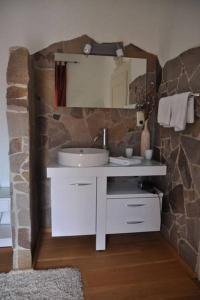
point(18, 128)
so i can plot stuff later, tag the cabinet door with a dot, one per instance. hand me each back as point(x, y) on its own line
point(73, 206)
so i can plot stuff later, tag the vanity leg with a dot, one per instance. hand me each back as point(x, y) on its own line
point(101, 213)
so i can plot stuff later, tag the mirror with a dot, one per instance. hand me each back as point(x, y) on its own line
point(103, 81)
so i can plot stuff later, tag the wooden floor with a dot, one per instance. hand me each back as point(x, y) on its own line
point(6, 259)
point(134, 266)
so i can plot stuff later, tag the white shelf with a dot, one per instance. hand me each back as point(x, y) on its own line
point(126, 188)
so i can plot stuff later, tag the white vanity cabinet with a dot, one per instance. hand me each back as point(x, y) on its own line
point(73, 206)
point(83, 202)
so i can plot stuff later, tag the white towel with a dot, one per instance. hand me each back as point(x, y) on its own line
point(180, 112)
point(124, 161)
point(164, 111)
point(177, 110)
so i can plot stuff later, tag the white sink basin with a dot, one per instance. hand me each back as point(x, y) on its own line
point(82, 157)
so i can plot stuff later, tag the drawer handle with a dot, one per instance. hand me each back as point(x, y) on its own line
point(134, 222)
point(81, 184)
point(135, 205)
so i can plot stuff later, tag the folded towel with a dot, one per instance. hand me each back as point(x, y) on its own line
point(164, 112)
point(124, 161)
point(177, 110)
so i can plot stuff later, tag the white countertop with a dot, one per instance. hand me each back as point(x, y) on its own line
point(145, 168)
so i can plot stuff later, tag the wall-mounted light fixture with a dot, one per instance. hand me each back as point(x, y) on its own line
point(119, 51)
point(87, 49)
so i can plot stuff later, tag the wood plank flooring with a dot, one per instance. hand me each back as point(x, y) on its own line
point(6, 259)
point(134, 266)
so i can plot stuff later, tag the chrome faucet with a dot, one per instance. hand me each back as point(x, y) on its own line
point(104, 135)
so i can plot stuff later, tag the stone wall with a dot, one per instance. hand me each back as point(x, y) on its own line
point(18, 126)
point(180, 151)
point(77, 127)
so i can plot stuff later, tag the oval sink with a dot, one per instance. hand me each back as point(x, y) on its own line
point(82, 157)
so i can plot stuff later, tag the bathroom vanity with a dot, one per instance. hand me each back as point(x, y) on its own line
point(103, 200)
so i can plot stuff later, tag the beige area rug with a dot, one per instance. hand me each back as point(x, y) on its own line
point(53, 284)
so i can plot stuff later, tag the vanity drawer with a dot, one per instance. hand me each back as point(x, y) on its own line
point(133, 215)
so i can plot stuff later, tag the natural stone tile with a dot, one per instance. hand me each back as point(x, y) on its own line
point(114, 115)
point(17, 71)
point(166, 147)
point(176, 175)
point(172, 87)
point(24, 218)
point(15, 92)
point(15, 145)
point(193, 232)
point(95, 122)
point(80, 135)
point(76, 112)
point(165, 203)
point(17, 109)
point(173, 236)
point(24, 238)
point(25, 166)
point(117, 133)
point(193, 129)
point(18, 178)
point(168, 220)
point(193, 209)
point(163, 89)
point(197, 107)
point(176, 199)
point(22, 201)
point(184, 169)
point(22, 187)
point(194, 81)
point(172, 69)
point(190, 59)
point(16, 161)
point(188, 253)
point(57, 133)
point(189, 195)
point(25, 175)
point(17, 102)
point(190, 146)
point(196, 177)
point(181, 220)
point(183, 84)
point(18, 124)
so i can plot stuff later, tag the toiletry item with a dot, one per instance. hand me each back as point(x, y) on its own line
point(120, 160)
point(148, 154)
point(140, 118)
point(129, 152)
point(145, 138)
